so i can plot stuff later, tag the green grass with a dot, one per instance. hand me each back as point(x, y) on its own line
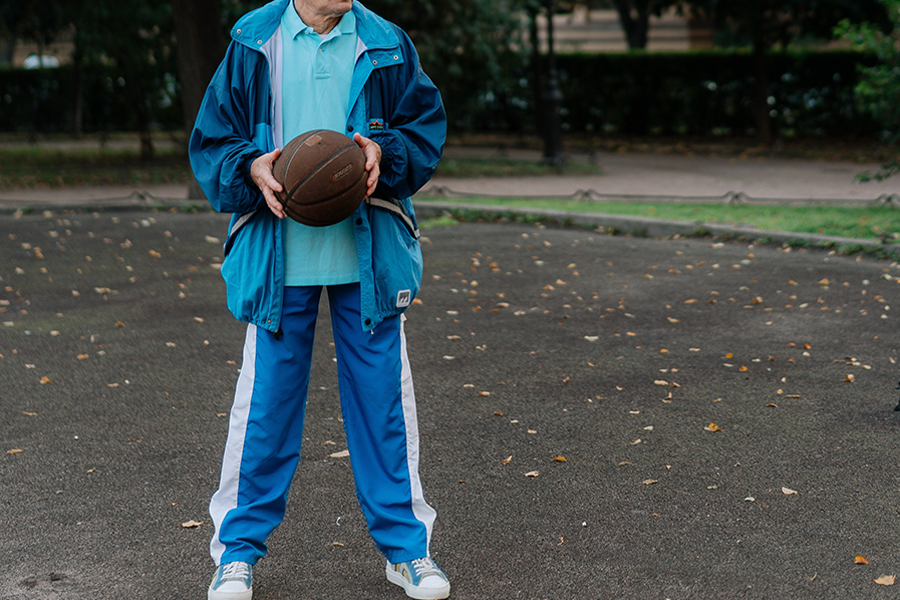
point(862, 222)
point(27, 166)
point(34, 166)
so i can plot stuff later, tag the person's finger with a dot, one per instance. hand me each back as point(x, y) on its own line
point(372, 181)
point(261, 171)
point(372, 151)
point(268, 176)
point(274, 205)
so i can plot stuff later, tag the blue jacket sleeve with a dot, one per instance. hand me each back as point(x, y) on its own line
point(222, 141)
point(416, 128)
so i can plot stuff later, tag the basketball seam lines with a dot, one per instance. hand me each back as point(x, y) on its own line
point(291, 158)
point(315, 172)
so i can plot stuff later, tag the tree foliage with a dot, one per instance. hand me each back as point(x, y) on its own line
point(879, 86)
point(38, 22)
point(780, 22)
point(464, 45)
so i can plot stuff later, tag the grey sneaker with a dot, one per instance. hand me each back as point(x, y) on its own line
point(232, 581)
point(421, 578)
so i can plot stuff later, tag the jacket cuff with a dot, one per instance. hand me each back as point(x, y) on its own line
point(393, 158)
point(246, 163)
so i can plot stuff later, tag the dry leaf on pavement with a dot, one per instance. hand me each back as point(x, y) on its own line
point(860, 560)
point(886, 580)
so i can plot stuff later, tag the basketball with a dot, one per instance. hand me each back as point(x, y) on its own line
point(323, 176)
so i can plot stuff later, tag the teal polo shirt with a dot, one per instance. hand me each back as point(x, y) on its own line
point(316, 95)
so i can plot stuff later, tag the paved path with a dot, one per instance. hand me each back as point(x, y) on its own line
point(531, 345)
point(672, 175)
point(568, 383)
point(632, 174)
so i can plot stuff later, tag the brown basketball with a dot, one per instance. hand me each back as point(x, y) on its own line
point(323, 174)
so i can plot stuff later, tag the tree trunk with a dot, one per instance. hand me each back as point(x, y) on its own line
point(77, 94)
point(634, 17)
point(761, 92)
point(200, 48)
point(537, 71)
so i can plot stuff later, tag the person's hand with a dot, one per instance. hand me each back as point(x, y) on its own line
point(373, 161)
point(261, 174)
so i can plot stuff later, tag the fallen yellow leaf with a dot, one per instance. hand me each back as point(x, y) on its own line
point(15, 451)
point(860, 560)
point(712, 427)
point(650, 481)
point(560, 458)
point(45, 379)
point(341, 454)
point(531, 474)
point(850, 378)
point(506, 460)
point(886, 580)
point(191, 523)
point(788, 491)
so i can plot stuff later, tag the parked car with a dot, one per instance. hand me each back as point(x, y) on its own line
point(45, 61)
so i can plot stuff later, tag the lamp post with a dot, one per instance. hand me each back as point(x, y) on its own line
point(552, 98)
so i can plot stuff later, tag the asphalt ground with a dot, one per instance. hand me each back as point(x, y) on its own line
point(601, 417)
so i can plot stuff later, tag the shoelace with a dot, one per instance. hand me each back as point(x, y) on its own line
point(235, 570)
point(424, 567)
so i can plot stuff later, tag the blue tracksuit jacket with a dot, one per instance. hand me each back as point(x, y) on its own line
point(392, 101)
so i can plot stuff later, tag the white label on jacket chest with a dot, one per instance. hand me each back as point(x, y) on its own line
point(404, 297)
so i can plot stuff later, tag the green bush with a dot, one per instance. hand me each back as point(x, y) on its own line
point(42, 101)
point(697, 93)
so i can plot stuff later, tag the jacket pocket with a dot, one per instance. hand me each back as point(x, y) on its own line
point(396, 256)
point(250, 270)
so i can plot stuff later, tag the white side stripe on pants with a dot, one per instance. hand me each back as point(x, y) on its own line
point(226, 497)
point(422, 511)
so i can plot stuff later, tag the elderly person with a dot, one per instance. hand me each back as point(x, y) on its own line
point(291, 67)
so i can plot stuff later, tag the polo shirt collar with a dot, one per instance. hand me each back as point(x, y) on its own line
point(295, 26)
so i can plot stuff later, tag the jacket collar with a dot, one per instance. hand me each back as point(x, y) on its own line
point(256, 27)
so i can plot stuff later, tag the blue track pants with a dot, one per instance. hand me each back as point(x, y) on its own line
point(266, 429)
